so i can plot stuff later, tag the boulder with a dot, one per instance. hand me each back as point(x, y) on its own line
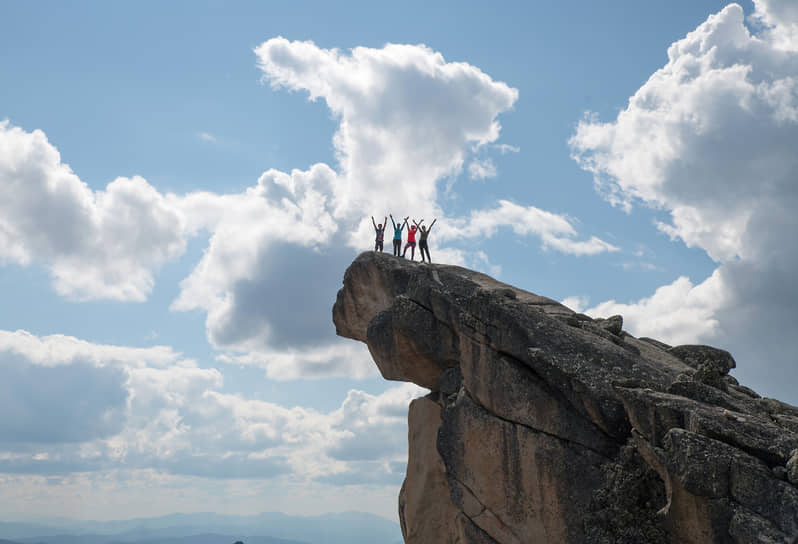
point(545, 425)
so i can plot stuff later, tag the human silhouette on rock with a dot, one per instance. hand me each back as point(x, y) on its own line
point(422, 239)
point(411, 241)
point(380, 231)
point(397, 235)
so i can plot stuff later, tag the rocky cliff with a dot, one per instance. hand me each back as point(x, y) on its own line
point(544, 425)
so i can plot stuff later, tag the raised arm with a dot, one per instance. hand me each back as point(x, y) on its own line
point(430, 225)
point(405, 224)
point(373, 222)
point(418, 225)
point(384, 222)
point(392, 221)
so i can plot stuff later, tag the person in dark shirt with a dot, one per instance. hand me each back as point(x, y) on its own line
point(380, 230)
point(422, 239)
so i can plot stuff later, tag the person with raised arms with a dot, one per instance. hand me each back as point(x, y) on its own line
point(411, 241)
point(422, 239)
point(380, 231)
point(397, 235)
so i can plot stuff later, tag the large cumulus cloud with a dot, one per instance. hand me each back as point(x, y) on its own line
point(96, 244)
point(711, 139)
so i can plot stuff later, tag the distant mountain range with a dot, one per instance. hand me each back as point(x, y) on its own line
point(209, 538)
point(209, 528)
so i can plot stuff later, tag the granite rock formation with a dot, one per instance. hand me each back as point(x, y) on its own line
point(544, 425)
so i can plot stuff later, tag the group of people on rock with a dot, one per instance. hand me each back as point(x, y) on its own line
point(414, 229)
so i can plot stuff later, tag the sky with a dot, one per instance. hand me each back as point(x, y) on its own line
point(183, 185)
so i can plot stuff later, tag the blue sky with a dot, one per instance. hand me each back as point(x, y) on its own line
point(184, 185)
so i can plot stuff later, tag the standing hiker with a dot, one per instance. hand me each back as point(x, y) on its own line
point(380, 230)
point(422, 239)
point(397, 235)
point(411, 241)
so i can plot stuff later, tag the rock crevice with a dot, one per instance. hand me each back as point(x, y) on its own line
point(544, 425)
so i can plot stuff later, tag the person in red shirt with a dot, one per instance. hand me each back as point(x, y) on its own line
point(411, 242)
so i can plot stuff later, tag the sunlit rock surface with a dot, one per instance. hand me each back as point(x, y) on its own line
point(544, 425)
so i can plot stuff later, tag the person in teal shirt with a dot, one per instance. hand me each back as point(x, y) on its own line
point(397, 235)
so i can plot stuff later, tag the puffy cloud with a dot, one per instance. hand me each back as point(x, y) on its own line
point(59, 349)
point(407, 117)
point(678, 313)
point(373, 425)
point(780, 18)
point(103, 244)
point(710, 138)
point(334, 359)
point(555, 231)
point(101, 408)
point(269, 275)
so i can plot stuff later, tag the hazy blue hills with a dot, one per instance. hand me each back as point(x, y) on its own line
point(209, 538)
point(209, 528)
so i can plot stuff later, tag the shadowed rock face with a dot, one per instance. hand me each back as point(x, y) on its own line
point(544, 425)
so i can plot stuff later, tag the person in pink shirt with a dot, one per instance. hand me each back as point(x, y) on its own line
point(411, 242)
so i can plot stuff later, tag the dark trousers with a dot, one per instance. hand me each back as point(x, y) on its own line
point(423, 247)
point(397, 246)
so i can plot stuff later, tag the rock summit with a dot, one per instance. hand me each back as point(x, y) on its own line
point(545, 425)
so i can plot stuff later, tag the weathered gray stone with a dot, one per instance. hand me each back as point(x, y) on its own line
point(696, 355)
point(792, 468)
point(549, 426)
point(612, 324)
point(747, 527)
point(451, 380)
point(654, 414)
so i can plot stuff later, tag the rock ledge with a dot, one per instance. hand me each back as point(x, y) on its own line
point(544, 425)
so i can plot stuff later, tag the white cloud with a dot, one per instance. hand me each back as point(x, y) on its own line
point(678, 313)
point(555, 231)
point(482, 169)
point(336, 359)
point(206, 137)
point(407, 117)
point(101, 408)
point(710, 138)
point(59, 349)
point(507, 148)
point(780, 18)
point(576, 303)
point(103, 244)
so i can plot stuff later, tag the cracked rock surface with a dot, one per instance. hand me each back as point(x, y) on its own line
point(544, 425)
